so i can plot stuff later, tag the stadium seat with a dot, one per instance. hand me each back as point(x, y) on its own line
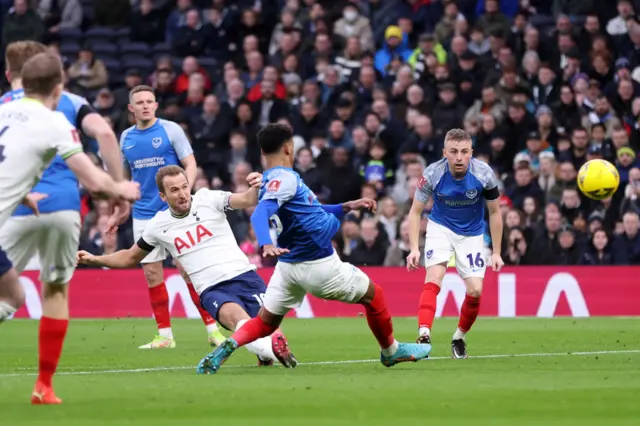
point(116, 79)
point(177, 63)
point(103, 49)
point(132, 57)
point(97, 34)
point(113, 65)
point(161, 49)
point(208, 63)
point(70, 49)
point(143, 64)
point(130, 48)
point(70, 35)
point(123, 34)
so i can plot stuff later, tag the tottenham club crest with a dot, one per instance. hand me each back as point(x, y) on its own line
point(471, 194)
point(156, 142)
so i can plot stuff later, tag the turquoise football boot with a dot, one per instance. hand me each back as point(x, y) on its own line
point(211, 363)
point(407, 352)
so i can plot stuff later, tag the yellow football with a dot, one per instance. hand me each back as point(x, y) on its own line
point(598, 179)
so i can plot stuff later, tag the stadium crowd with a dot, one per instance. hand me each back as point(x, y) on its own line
point(370, 88)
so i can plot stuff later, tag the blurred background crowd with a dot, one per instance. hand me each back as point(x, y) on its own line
point(370, 87)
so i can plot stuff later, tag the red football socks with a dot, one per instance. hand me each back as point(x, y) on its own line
point(50, 340)
point(427, 307)
point(160, 305)
point(206, 318)
point(379, 319)
point(252, 330)
point(468, 313)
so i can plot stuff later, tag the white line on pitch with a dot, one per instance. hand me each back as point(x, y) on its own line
point(352, 361)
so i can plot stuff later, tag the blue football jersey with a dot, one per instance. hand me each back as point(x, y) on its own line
point(302, 226)
point(146, 151)
point(458, 204)
point(58, 181)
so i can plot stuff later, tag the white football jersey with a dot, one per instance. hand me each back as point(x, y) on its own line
point(202, 240)
point(30, 136)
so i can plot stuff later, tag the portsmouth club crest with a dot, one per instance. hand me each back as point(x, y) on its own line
point(429, 254)
point(156, 142)
point(471, 194)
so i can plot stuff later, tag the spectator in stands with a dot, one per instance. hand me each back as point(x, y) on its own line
point(147, 23)
point(493, 20)
point(516, 250)
point(87, 73)
point(190, 66)
point(133, 78)
point(399, 249)
point(394, 45)
point(191, 38)
point(21, 23)
point(371, 249)
point(626, 246)
point(353, 24)
point(177, 18)
point(618, 26)
point(60, 14)
point(598, 250)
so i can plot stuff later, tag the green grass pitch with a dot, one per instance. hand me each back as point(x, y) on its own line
point(106, 380)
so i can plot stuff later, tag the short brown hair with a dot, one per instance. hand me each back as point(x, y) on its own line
point(41, 74)
point(139, 89)
point(457, 135)
point(168, 171)
point(20, 52)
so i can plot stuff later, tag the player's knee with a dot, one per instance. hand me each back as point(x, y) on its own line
point(54, 291)
point(474, 287)
point(11, 290)
point(153, 273)
point(435, 274)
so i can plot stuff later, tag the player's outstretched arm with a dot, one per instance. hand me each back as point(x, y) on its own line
point(260, 222)
point(495, 227)
point(249, 198)
point(96, 180)
point(121, 259)
point(414, 216)
point(96, 127)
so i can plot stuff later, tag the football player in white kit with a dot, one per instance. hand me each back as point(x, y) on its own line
point(31, 134)
point(459, 185)
point(195, 230)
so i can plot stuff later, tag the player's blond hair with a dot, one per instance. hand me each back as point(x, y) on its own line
point(41, 74)
point(457, 135)
point(139, 89)
point(169, 171)
point(18, 53)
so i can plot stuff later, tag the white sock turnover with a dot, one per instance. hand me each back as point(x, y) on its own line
point(391, 350)
point(261, 347)
point(167, 333)
point(424, 331)
point(212, 327)
point(459, 334)
point(6, 310)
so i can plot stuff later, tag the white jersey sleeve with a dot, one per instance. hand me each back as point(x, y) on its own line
point(150, 239)
point(281, 185)
point(64, 137)
point(219, 200)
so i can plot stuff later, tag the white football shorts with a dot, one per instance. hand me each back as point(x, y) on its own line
point(470, 252)
point(53, 236)
point(158, 254)
point(328, 278)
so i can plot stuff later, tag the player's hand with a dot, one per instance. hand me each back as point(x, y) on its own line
point(272, 251)
point(254, 180)
point(85, 258)
point(362, 203)
point(496, 262)
point(119, 215)
point(128, 190)
point(413, 260)
point(32, 199)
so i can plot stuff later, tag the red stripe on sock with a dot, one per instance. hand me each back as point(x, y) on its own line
point(468, 312)
point(428, 303)
point(160, 305)
point(50, 341)
point(252, 330)
point(379, 318)
point(195, 298)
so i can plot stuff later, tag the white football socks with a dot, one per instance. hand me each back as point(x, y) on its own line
point(424, 331)
point(6, 310)
point(167, 333)
point(391, 350)
point(459, 334)
point(261, 347)
point(212, 327)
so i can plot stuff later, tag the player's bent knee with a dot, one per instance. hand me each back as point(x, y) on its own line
point(269, 318)
point(230, 314)
point(435, 274)
point(153, 273)
point(474, 286)
point(55, 290)
point(11, 290)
